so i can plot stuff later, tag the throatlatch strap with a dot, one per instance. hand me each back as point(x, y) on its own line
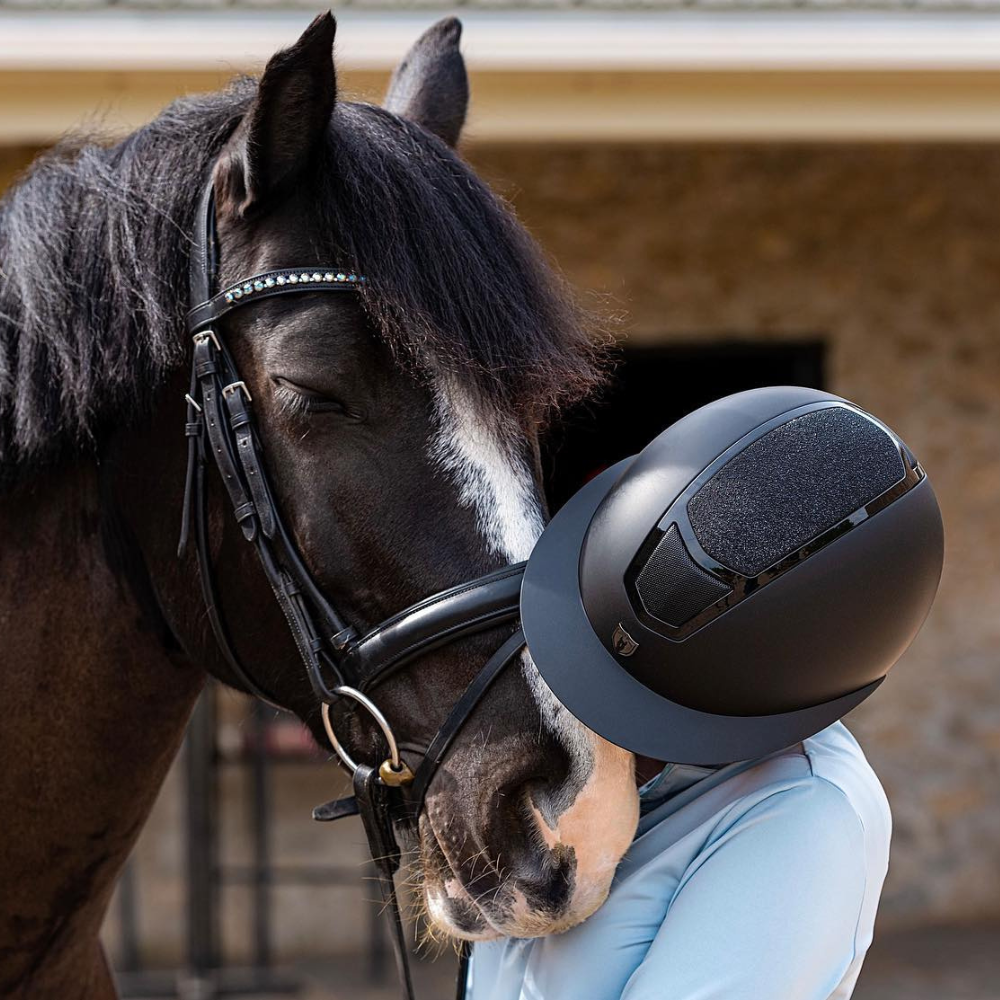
point(193, 431)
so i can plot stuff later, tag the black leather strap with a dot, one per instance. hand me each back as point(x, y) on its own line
point(336, 809)
point(203, 265)
point(375, 809)
point(462, 979)
point(246, 452)
point(193, 431)
point(442, 618)
point(457, 717)
point(208, 365)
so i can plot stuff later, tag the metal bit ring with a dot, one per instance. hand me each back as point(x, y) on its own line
point(393, 767)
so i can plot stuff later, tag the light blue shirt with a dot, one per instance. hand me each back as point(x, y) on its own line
point(755, 881)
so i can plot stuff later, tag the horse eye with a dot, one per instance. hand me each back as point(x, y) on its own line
point(303, 400)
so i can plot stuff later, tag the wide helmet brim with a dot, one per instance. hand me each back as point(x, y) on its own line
point(602, 694)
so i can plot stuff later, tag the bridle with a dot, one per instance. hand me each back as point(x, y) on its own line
point(338, 661)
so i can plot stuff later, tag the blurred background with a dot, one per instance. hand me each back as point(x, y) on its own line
point(804, 192)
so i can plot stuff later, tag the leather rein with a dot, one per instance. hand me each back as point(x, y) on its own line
point(338, 661)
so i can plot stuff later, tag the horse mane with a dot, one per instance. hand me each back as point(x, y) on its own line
point(94, 247)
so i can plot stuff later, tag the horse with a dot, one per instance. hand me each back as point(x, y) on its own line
point(401, 430)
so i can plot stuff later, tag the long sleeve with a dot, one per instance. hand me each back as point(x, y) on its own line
point(768, 911)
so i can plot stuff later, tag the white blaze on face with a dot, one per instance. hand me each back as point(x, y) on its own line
point(495, 480)
point(496, 485)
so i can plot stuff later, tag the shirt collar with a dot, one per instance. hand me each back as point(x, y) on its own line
point(673, 779)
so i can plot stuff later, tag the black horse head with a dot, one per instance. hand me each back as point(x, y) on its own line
point(399, 425)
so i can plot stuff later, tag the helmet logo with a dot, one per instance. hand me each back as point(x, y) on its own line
point(623, 643)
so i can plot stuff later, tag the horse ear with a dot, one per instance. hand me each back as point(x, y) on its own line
point(430, 85)
point(283, 125)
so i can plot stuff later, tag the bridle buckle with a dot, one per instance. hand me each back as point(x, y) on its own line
point(203, 336)
point(228, 390)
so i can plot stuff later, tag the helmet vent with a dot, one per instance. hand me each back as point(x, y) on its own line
point(672, 587)
point(792, 484)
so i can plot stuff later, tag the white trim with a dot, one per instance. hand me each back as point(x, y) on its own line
point(514, 40)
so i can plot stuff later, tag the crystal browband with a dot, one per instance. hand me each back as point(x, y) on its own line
point(279, 282)
point(279, 278)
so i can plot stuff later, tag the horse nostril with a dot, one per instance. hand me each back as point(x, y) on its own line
point(528, 808)
point(536, 793)
point(549, 790)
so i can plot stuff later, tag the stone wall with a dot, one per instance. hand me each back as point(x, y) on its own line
point(890, 256)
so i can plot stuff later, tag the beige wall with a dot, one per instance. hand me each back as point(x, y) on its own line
point(572, 104)
point(890, 255)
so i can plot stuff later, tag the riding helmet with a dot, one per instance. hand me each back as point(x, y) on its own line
point(743, 582)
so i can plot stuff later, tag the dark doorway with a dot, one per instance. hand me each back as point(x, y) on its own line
point(655, 386)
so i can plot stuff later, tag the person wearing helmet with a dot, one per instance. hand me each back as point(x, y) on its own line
point(719, 602)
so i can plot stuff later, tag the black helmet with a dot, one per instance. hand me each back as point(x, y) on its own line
point(739, 585)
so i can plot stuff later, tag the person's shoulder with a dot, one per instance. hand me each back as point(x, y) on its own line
point(823, 787)
point(836, 759)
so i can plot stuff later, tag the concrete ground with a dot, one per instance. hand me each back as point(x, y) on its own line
point(939, 963)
